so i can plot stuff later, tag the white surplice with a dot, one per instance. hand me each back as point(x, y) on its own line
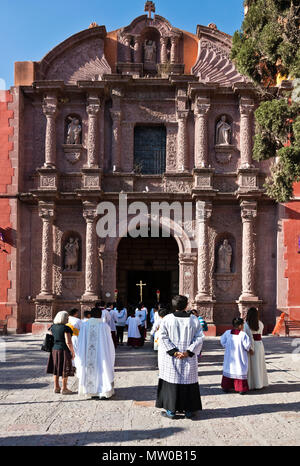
point(185, 334)
point(235, 357)
point(133, 327)
point(257, 370)
point(95, 360)
point(142, 315)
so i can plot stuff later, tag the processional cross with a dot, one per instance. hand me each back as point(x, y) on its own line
point(150, 7)
point(141, 284)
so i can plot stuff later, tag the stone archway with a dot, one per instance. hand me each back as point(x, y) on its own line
point(187, 260)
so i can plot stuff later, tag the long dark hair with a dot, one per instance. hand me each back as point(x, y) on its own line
point(252, 318)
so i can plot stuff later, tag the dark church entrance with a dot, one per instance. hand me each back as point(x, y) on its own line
point(152, 261)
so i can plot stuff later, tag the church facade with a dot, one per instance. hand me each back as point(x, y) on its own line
point(148, 115)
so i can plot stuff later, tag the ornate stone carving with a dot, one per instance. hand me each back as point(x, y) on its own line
point(89, 213)
point(177, 186)
point(203, 214)
point(46, 212)
point(74, 131)
point(182, 141)
point(72, 153)
point(223, 132)
point(224, 257)
point(43, 313)
point(213, 64)
point(248, 213)
point(201, 110)
point(72, 254)
point(50, 108)
point(116, 139)
point(92, 109)
point(150, 51)
point(246, 132)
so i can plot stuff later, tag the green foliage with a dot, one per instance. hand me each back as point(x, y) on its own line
point(285, 172)
point(268, 44)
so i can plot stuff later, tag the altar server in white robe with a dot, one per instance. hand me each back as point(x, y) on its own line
point(235, 369)
point(135, 330)
point(96, 358)
point(180, 342)
point(112, 322)
point(141, 312)
point(257, 370)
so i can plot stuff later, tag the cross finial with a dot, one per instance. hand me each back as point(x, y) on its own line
point(150, 7)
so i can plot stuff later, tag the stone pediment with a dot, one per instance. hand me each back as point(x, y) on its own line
point(142, 23)
point(79, 58)
point(213, 63)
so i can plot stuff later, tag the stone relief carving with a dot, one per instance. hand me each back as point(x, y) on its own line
point(223, 132)
point(72, 254)
point(224, 257)
point(150, 51)
point(74, 131)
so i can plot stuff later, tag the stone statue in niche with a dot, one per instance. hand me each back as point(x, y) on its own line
point(224, 257)
point(74, 131)
point(72, 254)
point(223, 132)
point(149, 51)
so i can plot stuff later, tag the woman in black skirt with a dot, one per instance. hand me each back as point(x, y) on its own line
point(60, 359)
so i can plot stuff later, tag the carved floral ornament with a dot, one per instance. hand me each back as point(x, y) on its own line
point(50, 106)
point(46, 212)
point(248, 212)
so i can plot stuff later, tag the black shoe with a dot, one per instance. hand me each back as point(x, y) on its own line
point(242, 393)
point(190, 415)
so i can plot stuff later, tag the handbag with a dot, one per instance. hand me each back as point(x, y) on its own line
point(48, 343)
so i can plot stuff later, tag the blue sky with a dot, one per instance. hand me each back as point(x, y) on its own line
point(30, 28)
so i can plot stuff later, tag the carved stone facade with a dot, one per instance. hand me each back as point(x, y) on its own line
point(147, 78)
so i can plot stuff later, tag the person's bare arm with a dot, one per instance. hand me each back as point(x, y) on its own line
point(69, 344)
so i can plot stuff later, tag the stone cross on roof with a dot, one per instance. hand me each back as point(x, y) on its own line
point(150, 7)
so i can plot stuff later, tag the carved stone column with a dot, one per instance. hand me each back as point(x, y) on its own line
point(89, 213)
point(50, 110)
point(248, 213)
point(109, 267)
point(116, 139)
point(127, 41)
point(246, 133)
point(163, 50)
point(174, 43)
point(182, 142)
point(46, 212)
point(137, 50)
point(187, 274)
point(93, 107)
point(248, 297)
point(203, 214)
point(202, 107)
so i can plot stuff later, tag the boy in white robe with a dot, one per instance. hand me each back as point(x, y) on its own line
point(141, 312)
point(135, 330)
point(235, 369)
point(96, 358)
point(112, 323)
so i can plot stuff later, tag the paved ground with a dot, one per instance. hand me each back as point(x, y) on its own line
point(31, 414)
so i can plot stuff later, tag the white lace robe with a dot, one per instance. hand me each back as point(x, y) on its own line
point(236, 356)
point(96, 359)
point(183, 333)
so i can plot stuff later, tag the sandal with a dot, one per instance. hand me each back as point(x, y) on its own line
point(57, 390)
point(67, 392)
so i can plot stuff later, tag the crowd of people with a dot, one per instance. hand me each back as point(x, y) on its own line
point(86, 347)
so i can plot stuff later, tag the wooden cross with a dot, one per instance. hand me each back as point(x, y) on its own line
point(150, 7)
point(141, 284)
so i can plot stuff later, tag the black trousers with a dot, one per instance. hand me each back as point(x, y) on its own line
point(120, 334)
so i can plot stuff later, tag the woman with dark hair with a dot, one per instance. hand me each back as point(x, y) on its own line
point(257, 370)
